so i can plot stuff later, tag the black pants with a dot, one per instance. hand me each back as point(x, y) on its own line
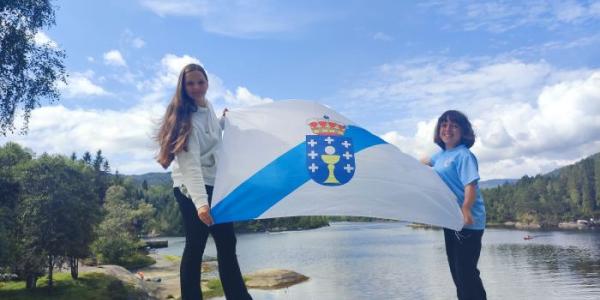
point(463, 248)
point(196, 233)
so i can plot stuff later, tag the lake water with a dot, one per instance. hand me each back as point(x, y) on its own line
point(393, 261)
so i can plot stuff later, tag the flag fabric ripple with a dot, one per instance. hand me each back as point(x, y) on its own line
point(300, 158)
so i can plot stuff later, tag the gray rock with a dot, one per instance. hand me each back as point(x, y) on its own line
point(274, 279)
point(520, 225)
point(206, 258)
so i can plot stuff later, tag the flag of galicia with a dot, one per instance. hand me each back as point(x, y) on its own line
point(301, 158)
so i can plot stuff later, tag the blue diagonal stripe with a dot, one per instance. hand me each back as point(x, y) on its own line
point(276, 180)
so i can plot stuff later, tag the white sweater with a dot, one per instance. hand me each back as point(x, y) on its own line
point(197, 167)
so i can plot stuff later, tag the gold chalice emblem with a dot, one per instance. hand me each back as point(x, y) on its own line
point(330, 159)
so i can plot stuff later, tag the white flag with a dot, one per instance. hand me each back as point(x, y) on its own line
point(300, 158)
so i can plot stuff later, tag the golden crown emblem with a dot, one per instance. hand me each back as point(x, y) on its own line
point(325, 126)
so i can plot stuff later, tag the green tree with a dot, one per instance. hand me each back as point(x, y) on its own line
point(87, 158)
point(563, 195)
point(98, 161)
point(11, 156)
point(28, 71)
point(101, 179)
point(597, 180)
point(85, 214)
point(588, 195)
point(167, 218)
point(58, 210)
point(123, 222)
point(101, 168)
point(118, 178)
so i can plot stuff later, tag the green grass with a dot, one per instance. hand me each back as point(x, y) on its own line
point(136, 261)
point(172, 258)
point(92, 286)
point(216, 288)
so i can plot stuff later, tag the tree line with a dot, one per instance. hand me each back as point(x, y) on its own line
point(56, 210)
point(167, 219)
point(566, 194)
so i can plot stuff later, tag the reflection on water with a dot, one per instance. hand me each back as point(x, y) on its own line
point(392, 261)
point(553, 259)
point(561, 265)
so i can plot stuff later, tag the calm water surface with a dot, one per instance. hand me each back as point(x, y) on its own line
point(393, 261)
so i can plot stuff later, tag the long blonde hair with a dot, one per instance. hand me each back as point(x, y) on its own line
point(176, 124)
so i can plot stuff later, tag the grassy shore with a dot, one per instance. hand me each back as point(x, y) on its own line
point(137, 261)
point(95, 284)
point(92, 286)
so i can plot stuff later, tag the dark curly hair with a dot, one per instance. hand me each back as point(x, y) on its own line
point(467, 134)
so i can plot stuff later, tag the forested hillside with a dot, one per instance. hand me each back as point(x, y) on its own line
point(566, 194)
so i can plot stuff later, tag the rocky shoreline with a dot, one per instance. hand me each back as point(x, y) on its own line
point(161, 280)
point(524, 226)
point(535, 226)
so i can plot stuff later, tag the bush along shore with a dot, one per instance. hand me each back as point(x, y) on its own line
point(159, 280)
point(577, 225)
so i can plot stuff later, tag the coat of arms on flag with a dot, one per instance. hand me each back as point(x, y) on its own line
point(329, 154)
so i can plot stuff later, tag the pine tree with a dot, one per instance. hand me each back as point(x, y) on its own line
point(597, 181)
point(98, 161)
point(87, 158)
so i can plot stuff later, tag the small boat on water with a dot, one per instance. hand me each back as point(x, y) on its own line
point(528, 237)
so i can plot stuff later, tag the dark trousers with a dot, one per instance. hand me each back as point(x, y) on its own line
point(463, 248)
point(196, 233)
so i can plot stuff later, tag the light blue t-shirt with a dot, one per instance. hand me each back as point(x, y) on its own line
point(458, 167)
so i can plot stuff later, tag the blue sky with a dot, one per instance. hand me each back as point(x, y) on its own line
point(526, 72)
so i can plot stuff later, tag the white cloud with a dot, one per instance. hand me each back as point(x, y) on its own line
point(138, 43)
point(114, 58)
point(380, 36)
point(162, 85)
point(165, 80)
point(595, 9)
point(529, 118)
point(435, 84)
point(503, 16)
point(247, 19)
point(81, 85)
point(178, 8)
point(243, 97)
point(129, 39)
point(126, 135)
point(420, 145)
point(41, 39)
